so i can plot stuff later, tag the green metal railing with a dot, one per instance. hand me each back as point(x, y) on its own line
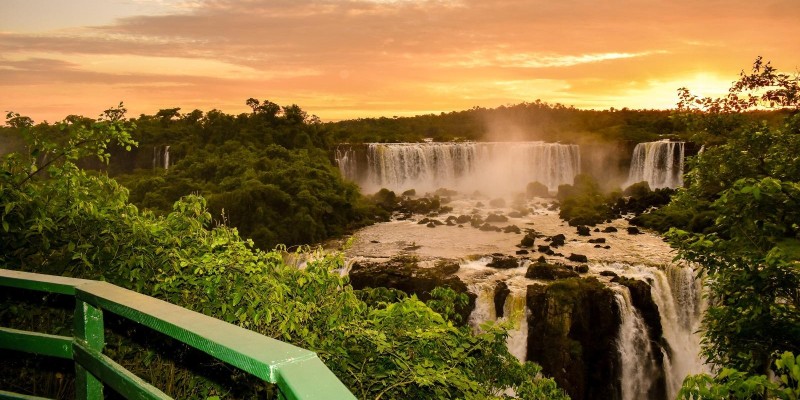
point(298, 373)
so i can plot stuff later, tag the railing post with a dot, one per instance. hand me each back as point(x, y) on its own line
point(89, 330)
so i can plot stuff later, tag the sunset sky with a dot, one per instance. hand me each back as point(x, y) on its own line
point(363, 58)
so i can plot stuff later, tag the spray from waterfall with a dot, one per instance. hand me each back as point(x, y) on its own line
point(496, 168)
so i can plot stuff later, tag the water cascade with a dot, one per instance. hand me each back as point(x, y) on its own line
point(678, 296)
point(513, 308)
point(491, 167)
point(659, 163)
point(639, 364)
point(161, 157)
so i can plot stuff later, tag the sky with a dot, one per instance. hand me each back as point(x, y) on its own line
point(345, 59)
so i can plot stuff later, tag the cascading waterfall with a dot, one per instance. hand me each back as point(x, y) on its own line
point(161, 157)
point(514, 307)
point(678, 295)
point(345, 158)
point(491, 167)
point(659, 163)
point(639, 366)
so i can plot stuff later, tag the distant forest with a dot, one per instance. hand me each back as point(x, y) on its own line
point(270, 172)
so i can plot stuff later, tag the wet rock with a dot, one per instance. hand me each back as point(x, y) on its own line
point(431, 225)
point(577, 258)
point(503, 262)
point(501, 292)
point(582, 269)
point(597, 246)
point(583, 230)
point(512, 229)
point(521, 252)
point(606, 247)
point(410, 192)
point(572, 331)
point(528, 240)
point(546, 250)
point(450, 223)
point(549, 272)
point(424, 221)
point(609, 273)
point(609, 229)
point(557, 240)
point(374, 241)
point(496, 218)
point(596, 230)
point(487, 227)
point(463, 219)
point(598, 240)
point(632, 230)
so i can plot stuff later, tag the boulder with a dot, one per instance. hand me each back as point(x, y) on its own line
point(528, 240)
point(512, 229)
point(609, 229)
point(503, 262)
point(557, 240)
point(583, 230)
point(577, 258)
point(609, 273)
point(521, 252)
point(598, 240)
point(582, 269)
point(501, 292)
point(549, 272)
point(632, 230)
point(496, 218)
point(431, 225)
point(463, 219)
point(546, 250)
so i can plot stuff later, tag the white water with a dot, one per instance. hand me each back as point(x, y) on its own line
point(514, 309)
point(491, 167)
point(636, 356)
point(161, 157)
point(659, 163)
point(677, 294)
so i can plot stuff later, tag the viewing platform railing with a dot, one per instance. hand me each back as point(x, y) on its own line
point(297, 372)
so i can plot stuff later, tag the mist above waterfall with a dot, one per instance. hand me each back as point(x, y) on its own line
point(494, 168)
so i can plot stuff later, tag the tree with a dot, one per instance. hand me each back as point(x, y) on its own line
point(746, 182)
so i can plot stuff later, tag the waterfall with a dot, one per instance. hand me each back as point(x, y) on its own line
point(491, 167)
point(639, 365)
point(345, 158)
point(514, 307)
point(659, 163)
point(678, 296)
point(161, 157)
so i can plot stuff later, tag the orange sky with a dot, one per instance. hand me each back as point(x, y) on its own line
point(361, 58)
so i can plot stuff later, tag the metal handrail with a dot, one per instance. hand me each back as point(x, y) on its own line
point(297, 372)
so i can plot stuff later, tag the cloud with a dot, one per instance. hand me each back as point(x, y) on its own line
point(399, 56)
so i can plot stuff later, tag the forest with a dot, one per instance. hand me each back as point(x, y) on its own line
point(209, 229)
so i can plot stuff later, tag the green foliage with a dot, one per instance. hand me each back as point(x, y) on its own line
point(742, 222)
point(732, 384)
point(583, 203)
point(71, 222)
point(537, 189)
